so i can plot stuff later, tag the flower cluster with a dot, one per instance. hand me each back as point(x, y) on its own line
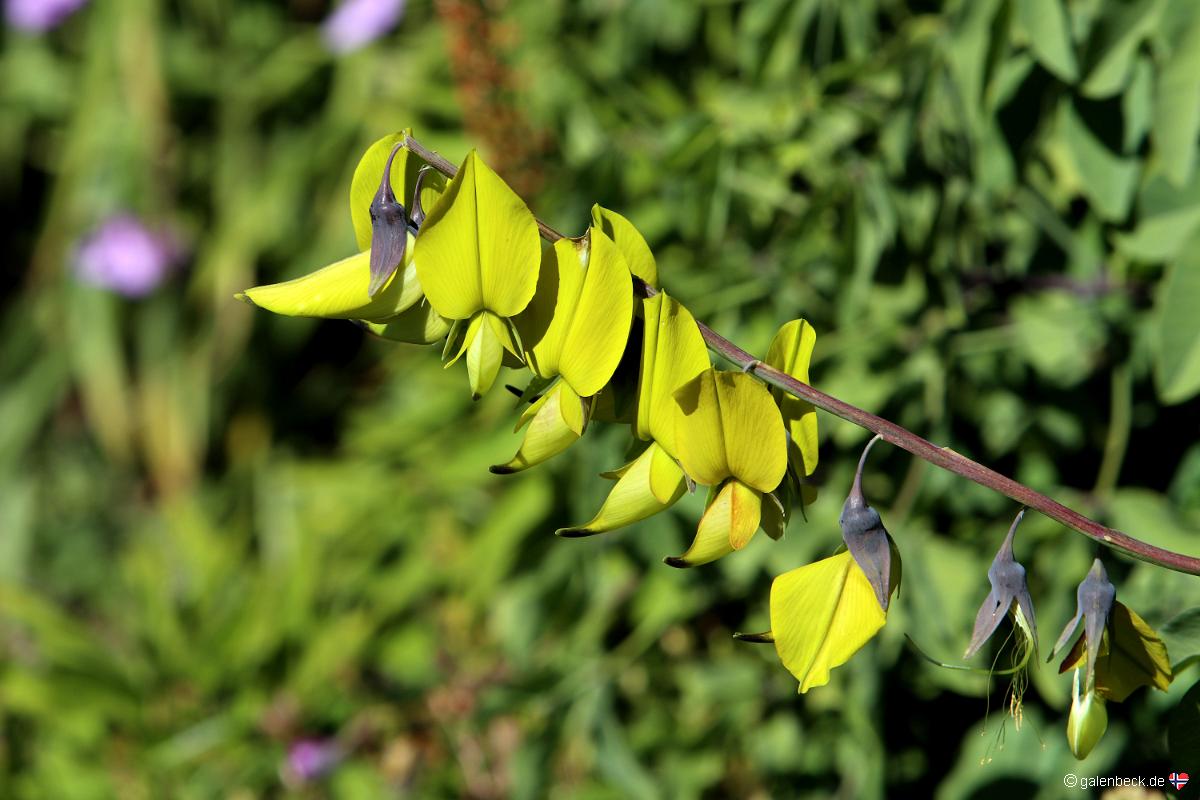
point(603, 343)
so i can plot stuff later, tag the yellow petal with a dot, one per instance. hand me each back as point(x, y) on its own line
point(369, 172)
point(600, 323)
point(503, 331)
point(790, 352)
point(729, 426)
point(456, 329)
point(578, 322)
point(484, 354)
point(339, 291)
point(821, 615)
point(727, 525)
point(632, 500)
point(544, 322)
point(418, 325)
point(557, 420)
point(665, 476)
point(673, 353)
point(479, 246)
point(629, 241)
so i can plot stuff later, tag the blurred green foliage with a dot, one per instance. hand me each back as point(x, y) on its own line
point(222, 531)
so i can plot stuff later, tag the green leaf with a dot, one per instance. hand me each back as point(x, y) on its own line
point(1137, 105)
point(1183, 729)
point(1045, 22)
point(1167, 217)
point(1177, 366)
point(479, 247)
point(1059, 334)
point(1114, 43)
point(1181, 634)
point(1105, 178)
point(1177, 105)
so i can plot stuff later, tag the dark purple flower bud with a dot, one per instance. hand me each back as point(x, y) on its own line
point(122, 255)
point(865, 537)
point(309, 759)
point(1093, 603)
point(38, 16)
point(1009, 593)
point(389, 229)
point(356, 23)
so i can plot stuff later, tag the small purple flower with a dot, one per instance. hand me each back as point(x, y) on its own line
point(356, 23)
point(124, 256)
point(309, 759)
point(38, 16)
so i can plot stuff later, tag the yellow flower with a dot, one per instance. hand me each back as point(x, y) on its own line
point(821, 615)
point(729, 436)
point(574, 332)
point(673, 353)
point(343, 290)
point(477, 259)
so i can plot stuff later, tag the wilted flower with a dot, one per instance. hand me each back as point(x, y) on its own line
point(1118, 652)
point(357, 23)
point(1009, 594)
point(865, 537)
point(309, 759)
point(37, 16)
point(1093, 602)
point(125, 256)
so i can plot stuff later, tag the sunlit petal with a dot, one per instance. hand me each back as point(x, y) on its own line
point(821, 615)
point(790, 352)
point(339, 291)
point(730, 427)
point(632, 498)
point(638, 258)
point(479, 246)
point(673, 353)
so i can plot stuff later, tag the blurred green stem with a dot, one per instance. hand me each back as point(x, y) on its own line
point(903, 438)
point(1119, 420)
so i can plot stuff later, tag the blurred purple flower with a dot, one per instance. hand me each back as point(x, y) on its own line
point(38, 16)
point(126, 257)
point(309, 759)
point(356, 23)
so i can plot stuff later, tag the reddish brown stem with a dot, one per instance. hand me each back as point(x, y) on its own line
point(942, 457)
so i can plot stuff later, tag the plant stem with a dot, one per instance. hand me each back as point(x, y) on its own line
point(942, 457)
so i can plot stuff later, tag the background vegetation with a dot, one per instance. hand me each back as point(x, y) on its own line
point(224, 532)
